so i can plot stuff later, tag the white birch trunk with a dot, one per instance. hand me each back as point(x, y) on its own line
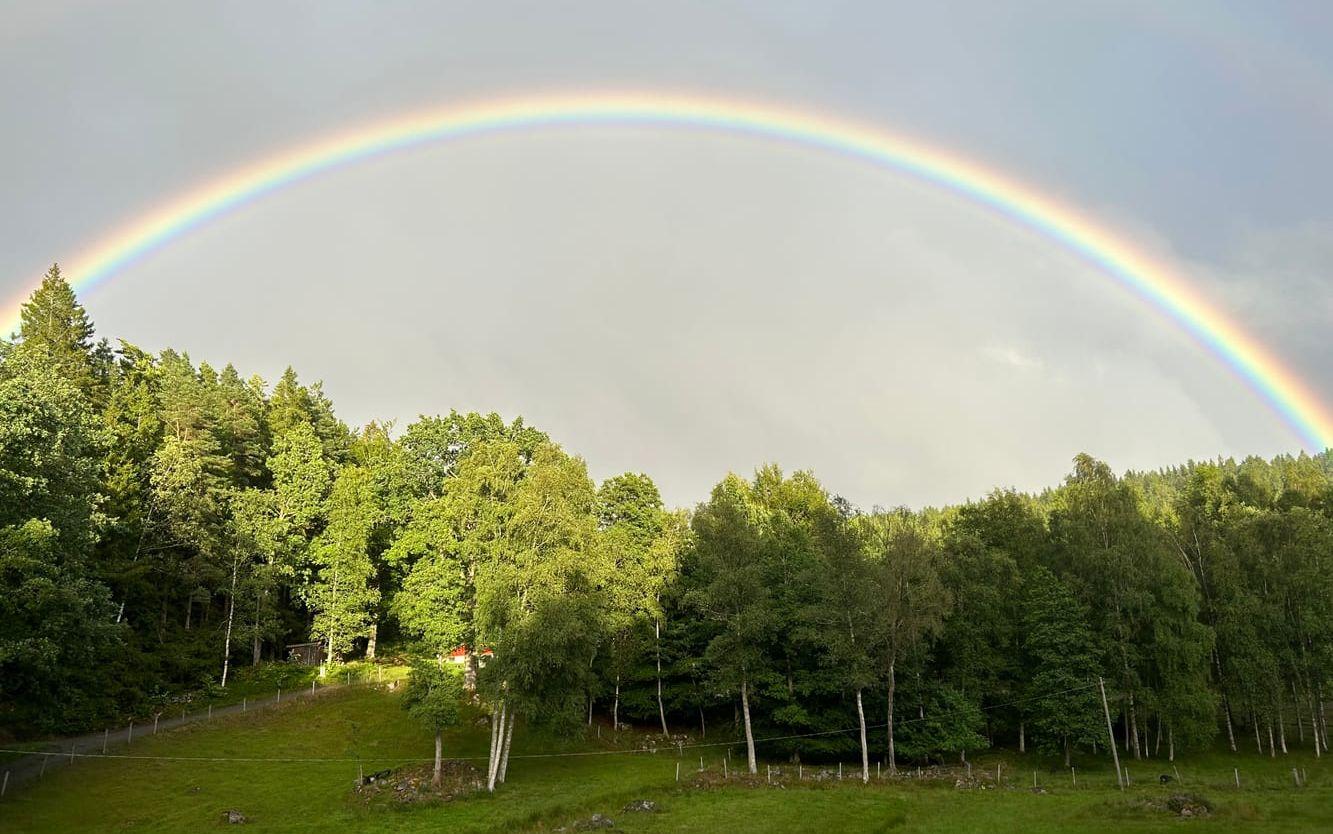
point(231, 613)
point(865, 752)
point(615, 707)
point(749, 734)
point(1231, 731)
point(1134, 727)
point(439, 751)
point(893, 685)
point(661, 708)
point(504, 752)
point(497, 735)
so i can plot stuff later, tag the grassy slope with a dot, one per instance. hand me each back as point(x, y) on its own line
point(136, 795)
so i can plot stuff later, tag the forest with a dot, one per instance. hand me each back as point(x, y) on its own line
point(163, 523)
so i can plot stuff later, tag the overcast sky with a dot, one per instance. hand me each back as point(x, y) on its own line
point(685, 303)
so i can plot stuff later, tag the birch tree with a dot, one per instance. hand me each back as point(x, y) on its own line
point(731, 589)
point(911, 598)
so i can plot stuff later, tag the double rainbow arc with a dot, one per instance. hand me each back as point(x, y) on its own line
point(1152, 281)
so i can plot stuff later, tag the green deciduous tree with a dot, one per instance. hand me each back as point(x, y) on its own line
point(432, 697)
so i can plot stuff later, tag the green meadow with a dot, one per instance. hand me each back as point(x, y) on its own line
point(237, 762)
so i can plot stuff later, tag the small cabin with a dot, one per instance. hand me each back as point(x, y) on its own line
point(307, 654)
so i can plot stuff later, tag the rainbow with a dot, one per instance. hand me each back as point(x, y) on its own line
point(1152, 281)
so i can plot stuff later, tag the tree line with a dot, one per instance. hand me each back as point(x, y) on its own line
point(162, 522)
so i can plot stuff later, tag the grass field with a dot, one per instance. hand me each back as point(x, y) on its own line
point(365, 723)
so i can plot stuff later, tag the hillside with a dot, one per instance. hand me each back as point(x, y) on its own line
point(292, 769)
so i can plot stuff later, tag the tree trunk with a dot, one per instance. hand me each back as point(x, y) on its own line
point(1272, 747)
point(497, 738)
point(1170, 745)
point(1231, 732)
point(661, 709)
point(615, 707)
point(1157, 747)
point(439, 750)
point(1296, 706)
point(893, 685)
point(370, 643)
point(1258, 740)
point(231, 614)
point(1134, 727)
point(1281, 726)
point(1323, 719)
point(1068, 752)
point(1314, 727)
point(256, 644)
point(469, 671)
point(703, 727)
point(1022, 739)
point(865, 752)
point(504, 753)
point(749, 733)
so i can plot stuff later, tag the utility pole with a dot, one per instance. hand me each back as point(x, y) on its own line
point(1110, 733)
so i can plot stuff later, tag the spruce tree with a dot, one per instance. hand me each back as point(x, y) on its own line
point(1059, 651)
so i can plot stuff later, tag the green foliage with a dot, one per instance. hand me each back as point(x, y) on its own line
point(161, 519)
point(946, 724)
point(1060, 655)
point(433, 694)
point(341, 591)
